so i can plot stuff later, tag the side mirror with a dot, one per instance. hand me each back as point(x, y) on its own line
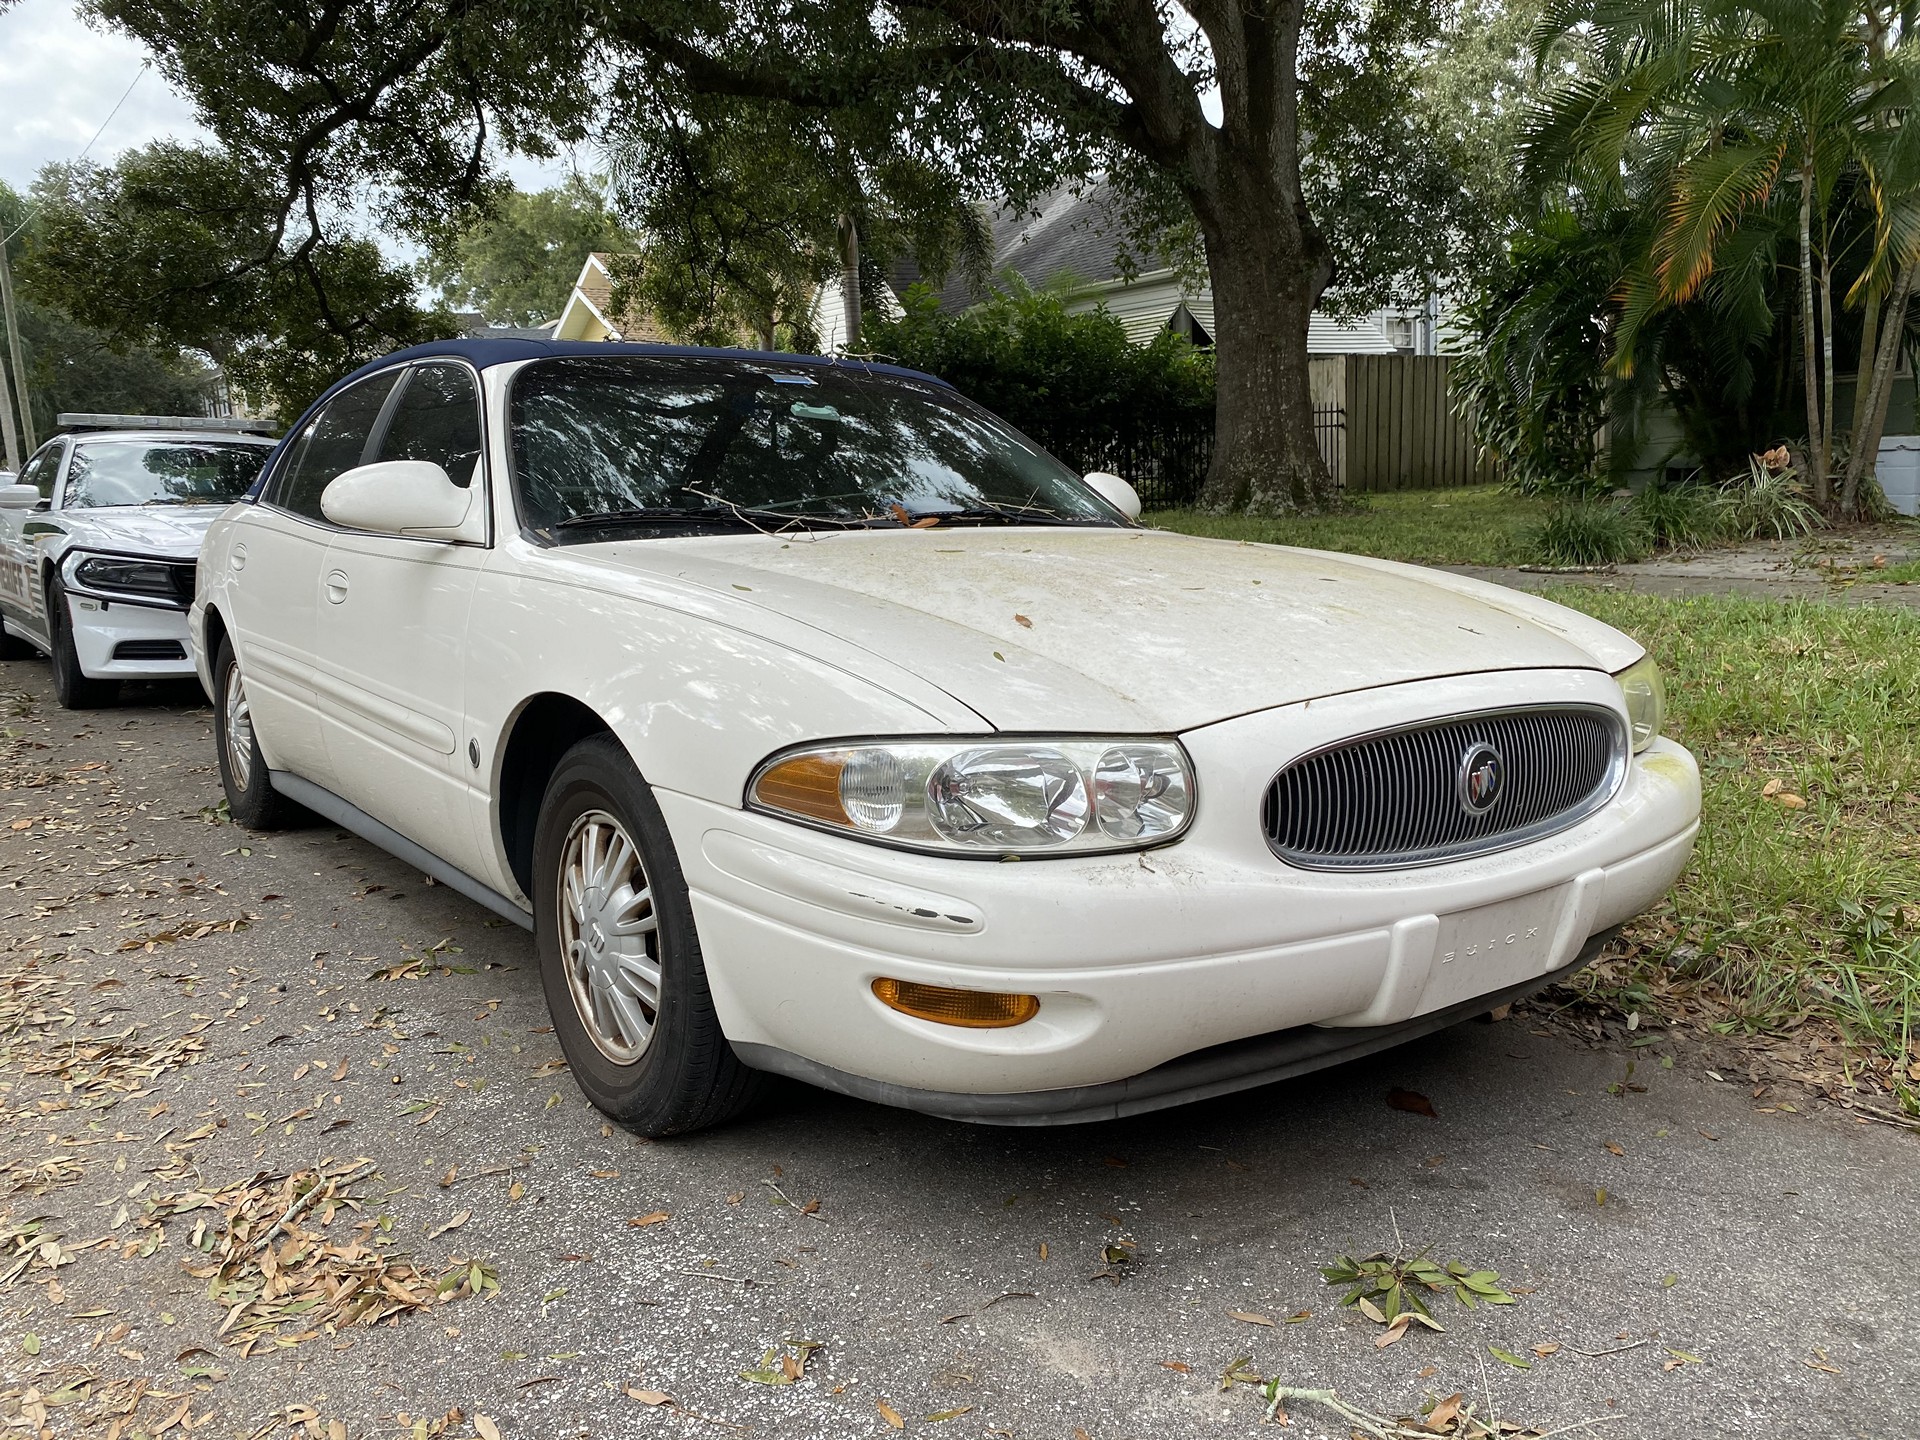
point(19, 497)
point(1116, 492)
point(403, 497)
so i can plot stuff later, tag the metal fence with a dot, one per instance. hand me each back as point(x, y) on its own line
point(1166, 460)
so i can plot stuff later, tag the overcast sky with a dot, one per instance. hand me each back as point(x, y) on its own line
point(59, 79)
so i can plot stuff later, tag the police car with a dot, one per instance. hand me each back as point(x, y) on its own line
point(99, 536)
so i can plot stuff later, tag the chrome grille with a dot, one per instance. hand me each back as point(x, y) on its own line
point(1399, 798)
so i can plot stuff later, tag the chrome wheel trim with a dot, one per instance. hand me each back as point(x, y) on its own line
point(609, 937)
point(239, 716)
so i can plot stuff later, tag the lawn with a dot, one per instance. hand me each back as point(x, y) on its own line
point(1804, 894)
point(1482, 525)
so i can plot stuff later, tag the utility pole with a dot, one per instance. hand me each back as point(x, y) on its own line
point(8, 434)
point(13, 349)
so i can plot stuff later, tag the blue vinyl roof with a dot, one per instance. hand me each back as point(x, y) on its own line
point(483, 353)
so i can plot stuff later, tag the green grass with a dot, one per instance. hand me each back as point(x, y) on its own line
point(1788, 911)
point(1481, 525)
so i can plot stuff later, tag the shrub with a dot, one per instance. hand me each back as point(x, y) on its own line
point(1591, 532)
point(1020, 353)
point(1768, 503)
point(1681, 517)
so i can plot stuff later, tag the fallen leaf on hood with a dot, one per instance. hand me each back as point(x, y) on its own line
point(1023, 621)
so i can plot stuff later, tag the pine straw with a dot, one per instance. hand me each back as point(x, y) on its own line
point(281, 1278)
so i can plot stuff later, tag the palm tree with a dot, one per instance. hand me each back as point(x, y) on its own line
point(1723, 118)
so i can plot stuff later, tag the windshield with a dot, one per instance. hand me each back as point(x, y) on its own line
point(161, 473)
point(639, 442)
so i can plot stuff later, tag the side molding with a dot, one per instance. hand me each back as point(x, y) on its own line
point(351, 817)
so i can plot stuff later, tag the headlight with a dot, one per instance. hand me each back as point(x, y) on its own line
point(980, 797)
point(1646, 696)
point(145, 578)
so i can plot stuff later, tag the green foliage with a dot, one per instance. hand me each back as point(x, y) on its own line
point(1384, 1287)
point(1533, 371)
point(1768, 504)
point(1687, 516)
point(71, 366)
point(178, 246)
point(517, 264)
point(1591, 532)
point(1762, 154)
point(1023, 355)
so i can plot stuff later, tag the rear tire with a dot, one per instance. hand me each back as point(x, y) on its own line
point(251, 799)
point(72, 686)
point(619, 959)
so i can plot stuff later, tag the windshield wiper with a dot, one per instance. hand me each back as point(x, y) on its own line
point(992, 515)
point(653, 515)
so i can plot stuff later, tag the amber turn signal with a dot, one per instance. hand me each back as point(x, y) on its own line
point(807, 785)
point(944, 1005)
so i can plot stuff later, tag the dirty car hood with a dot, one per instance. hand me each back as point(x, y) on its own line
point(1129, 630)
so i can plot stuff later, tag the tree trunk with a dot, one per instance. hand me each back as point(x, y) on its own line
point(1866, 436)
point(1809, 341)
point(1829, 420)
point(1864, 367)
point(1266, 460)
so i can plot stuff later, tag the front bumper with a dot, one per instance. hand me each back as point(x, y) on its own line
point(1222, 1070)
point(104, 632)
point(1142, 959)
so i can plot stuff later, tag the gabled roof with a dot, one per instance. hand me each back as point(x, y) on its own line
point(1078, 231)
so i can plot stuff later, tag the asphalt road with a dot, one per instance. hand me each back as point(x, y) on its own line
point(184, 1008)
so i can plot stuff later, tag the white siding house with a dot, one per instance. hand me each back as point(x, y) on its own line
point(1075, 242)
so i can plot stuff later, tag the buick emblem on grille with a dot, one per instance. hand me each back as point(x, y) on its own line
point(1482, 773)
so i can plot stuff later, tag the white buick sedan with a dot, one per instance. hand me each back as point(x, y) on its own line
point(816, 723)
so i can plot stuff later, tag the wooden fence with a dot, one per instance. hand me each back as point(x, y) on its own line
point(1400, 431)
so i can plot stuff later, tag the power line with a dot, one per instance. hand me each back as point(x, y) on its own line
point(145, 65)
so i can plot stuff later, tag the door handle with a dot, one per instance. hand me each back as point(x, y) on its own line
point(336, 586)
point(238, 558)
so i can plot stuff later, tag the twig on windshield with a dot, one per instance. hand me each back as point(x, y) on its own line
point(795, 526)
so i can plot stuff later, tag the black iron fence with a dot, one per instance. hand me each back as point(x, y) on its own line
point(1166, 460)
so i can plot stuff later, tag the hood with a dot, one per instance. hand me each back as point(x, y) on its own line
point(170, 531)
point(1126, 630)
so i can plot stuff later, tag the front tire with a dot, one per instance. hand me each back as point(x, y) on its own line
point(251, 799)
point(72, 686)
point(619, 959)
